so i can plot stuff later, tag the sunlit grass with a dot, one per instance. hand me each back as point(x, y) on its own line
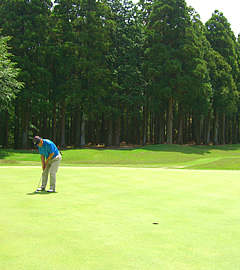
point(160, 156)
point(102, 218)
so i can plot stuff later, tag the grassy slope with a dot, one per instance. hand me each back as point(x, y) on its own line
point(163, 156)
point(102, 219)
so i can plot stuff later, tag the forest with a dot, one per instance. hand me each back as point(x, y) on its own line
point(111, 72)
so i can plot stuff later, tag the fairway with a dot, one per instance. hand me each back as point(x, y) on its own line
point(102, 219)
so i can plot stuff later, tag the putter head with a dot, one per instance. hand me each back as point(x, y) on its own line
point(36, 191)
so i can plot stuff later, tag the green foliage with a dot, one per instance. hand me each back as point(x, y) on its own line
point(222, 40)
point(175, 64)
point(224, 89)
point(114, 71)
point(27, 23)
point(225, 70)
point(125, 56)
point(9, 85)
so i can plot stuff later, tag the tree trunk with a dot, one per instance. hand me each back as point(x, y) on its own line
point(63, 120)
point(118, 131)
point(72, 129)
point(197, 128)
point(235, 123)
point(228, 130)
point(180, 126)
point(185, 128)
point(215, 129)
point(54, 122)
point(156, 128)
point(206, 129)
point(91, 130)
point(145, 121)
point(151, 129)
point(109, 131)
point(162, 128)
point(127, 125)
point(83, 130)
point(25, 115)
point(138, 130)
point(77, 139)
point(5, 130)
point(170, 121)
point(222, 129)
point(189, 133)
point(103, 129)
point(97, 129)
point(16, 128)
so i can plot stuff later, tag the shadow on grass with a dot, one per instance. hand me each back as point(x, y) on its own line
point(40, 193)
point(4, 153)
point(8, 152)
point(174, 148)
point(185, 149)
point(191, 149)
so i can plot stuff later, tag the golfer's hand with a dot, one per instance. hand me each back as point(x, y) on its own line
point(44, 166)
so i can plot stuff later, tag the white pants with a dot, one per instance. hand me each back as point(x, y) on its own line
point(51, 168)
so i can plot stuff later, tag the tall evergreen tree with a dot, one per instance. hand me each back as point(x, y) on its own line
point(26, 22)
point(175, 65)
point(9, 87)
point(224, 96)
point(222, 40)
point(61, 63)
point(92, 28)
point(124, 57)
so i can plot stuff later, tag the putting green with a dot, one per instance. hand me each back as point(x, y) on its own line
point(102, 219)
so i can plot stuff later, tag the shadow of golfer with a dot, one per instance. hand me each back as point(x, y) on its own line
point(39, 193)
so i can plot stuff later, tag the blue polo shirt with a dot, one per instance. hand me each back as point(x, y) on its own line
point(47, 148)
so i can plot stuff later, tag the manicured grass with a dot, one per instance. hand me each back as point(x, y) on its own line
point(161, 156)
point(102, 216)
point(102, 219)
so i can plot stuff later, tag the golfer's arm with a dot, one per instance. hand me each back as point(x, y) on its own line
point(43, 159)
point(49, 157)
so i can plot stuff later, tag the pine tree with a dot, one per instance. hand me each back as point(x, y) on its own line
point(125, 95)
point(92, 28)
point(175, 62)
point(9, 87)
point(26, 22)
point(222, 40)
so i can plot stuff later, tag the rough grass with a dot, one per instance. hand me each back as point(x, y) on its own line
point(102, 218)
point(160, 156)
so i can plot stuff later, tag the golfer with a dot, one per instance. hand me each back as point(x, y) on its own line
point(51, 158)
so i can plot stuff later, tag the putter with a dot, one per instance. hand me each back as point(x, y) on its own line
point(38, 185)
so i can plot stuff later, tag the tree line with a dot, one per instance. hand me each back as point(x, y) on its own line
point(111, 71)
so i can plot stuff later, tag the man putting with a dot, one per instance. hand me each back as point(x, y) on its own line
point(51, 158)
